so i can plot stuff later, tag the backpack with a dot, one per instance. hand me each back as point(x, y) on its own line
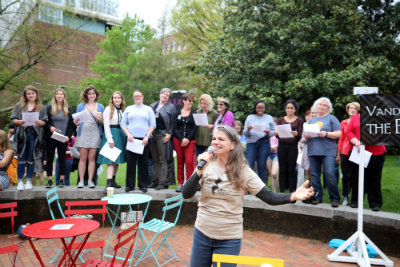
point(12, 171)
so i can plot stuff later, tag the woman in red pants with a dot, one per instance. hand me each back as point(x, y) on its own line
point(184, 139)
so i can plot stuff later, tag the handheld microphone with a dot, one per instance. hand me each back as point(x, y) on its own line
point(210, 151)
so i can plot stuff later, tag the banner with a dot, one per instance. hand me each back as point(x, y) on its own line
point(380, 119)
point(176, 99)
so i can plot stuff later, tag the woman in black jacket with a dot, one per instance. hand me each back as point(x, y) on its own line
point(60, 121)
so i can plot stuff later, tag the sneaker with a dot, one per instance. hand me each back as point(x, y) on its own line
point(28, 185)
point(345, 201)
point(80, 184)
point(20, 186)
point(91, 184)
point(49, 183)
point(61, 183)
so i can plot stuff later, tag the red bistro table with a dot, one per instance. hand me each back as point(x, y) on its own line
point(61, 228)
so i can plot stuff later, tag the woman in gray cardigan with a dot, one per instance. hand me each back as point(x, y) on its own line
point(160, 148)
point(27, 140)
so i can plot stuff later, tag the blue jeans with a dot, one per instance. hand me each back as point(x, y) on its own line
point(68, 166)
point(203, 248)
point(27, 159)
point(258, 151)
point(327, 163)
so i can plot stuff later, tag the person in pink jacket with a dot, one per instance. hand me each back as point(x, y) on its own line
point(225, 116)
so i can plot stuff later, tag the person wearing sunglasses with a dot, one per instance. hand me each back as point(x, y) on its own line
point(184, 139)
point(225, 116)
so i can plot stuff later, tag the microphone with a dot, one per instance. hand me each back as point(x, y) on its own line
point(210, 151)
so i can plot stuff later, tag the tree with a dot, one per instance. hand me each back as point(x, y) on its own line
point(117, 60)
point(197, 22)
point(130, 60)
point(276, 50)
point(26, 43)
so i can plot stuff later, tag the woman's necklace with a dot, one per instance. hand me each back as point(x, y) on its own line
point(92, 108)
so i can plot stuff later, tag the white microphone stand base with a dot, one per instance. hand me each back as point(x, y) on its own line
point(358, 240)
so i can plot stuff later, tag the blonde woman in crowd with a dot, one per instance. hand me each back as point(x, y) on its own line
point(204, 133)
point(344, 151)
point(60, 121)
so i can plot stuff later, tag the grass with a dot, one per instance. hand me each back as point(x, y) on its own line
point(390, 184)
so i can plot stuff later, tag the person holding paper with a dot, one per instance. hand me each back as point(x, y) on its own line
point(287, 149)
point(224, 182)
point(204, 133)
point(372, 174)
point(59, 121)
point(89, 134)
point(225, 116)
point(184, 139)
point(28, 139)
point(322, 151)
point(138, 122)
point(161, 144)
point(343, 152)
point(114, 137)
point(258, 128)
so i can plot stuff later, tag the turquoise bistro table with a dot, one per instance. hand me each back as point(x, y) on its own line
point(121, 200)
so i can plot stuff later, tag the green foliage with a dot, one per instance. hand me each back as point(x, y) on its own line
point(131, 60)
point(276, 50)
point(117, 60)
point(197, 22)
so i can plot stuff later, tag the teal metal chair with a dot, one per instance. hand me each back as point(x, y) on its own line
point(53, 200)
point(160, 227)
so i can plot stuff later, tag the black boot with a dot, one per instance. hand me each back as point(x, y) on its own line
point(114, 184)
point(109, 184)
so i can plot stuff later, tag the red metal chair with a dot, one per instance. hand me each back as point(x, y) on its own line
point(9, 214)
point(97, 207)
point(131, 232)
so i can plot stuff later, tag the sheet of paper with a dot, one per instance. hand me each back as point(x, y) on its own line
point(83, 116)
point(136, 146)
point(311, 129)
point(75, 152)
point(355, 156)
point(59, 137)
point(284, 130)
point(29, 118)
point(200, 119)
point(110, 153)
point(61, 227)
point(258, 128)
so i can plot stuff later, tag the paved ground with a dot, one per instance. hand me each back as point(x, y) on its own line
point(295, 251)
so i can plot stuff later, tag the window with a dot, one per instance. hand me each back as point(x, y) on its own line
point(51, 15)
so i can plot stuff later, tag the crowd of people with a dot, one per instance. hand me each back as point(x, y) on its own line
point(162, 128)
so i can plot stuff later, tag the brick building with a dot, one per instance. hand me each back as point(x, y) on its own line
point(83, 22)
